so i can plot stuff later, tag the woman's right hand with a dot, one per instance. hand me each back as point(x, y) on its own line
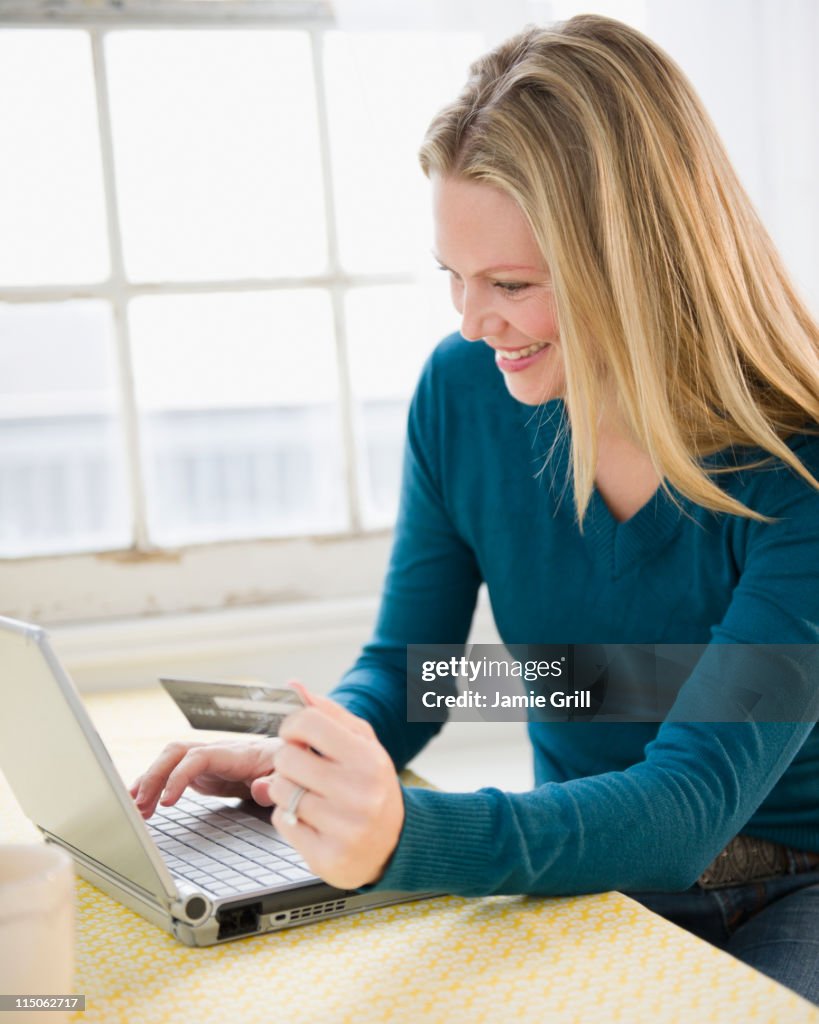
point(214, 769)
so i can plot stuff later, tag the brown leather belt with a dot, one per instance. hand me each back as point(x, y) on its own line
point(747, 859)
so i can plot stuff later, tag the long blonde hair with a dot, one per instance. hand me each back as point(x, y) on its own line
point(666, 284)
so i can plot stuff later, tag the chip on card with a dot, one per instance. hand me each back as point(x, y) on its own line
point(234, 707)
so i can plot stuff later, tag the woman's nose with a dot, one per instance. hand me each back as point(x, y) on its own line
point(478, 319)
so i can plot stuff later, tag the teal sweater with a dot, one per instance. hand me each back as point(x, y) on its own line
point(616, 806)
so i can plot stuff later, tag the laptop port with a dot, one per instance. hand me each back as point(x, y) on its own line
point(236, 921)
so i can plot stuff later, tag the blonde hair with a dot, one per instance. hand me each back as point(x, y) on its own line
point(666, 284)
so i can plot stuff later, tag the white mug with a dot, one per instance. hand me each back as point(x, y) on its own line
point(36, 927)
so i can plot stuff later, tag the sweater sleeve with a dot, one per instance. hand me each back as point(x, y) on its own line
point(429, 593)
point(657, 824)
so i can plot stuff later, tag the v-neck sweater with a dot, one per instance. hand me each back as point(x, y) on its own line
point(486, 497)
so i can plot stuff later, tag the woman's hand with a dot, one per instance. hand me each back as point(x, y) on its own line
point(351, 814)
point(215, 769)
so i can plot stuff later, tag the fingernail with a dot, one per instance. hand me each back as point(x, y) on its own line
point(302, 689)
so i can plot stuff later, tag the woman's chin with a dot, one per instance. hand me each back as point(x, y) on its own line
point(534, 391)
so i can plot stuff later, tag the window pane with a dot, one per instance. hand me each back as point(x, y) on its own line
point(52, 211)
point(238, 398)
point(391, 330)
point(62, 486)
point(217, 156)
point(377, 123)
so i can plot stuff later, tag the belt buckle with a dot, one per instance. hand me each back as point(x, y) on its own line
point(744, 860)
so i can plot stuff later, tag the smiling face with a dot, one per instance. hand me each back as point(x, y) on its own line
point(500, 285)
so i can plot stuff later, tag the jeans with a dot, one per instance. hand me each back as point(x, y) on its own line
point(772, 926)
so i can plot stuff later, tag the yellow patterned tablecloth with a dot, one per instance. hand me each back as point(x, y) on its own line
point(582, 959)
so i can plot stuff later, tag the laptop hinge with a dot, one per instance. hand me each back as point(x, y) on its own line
point(104, 871)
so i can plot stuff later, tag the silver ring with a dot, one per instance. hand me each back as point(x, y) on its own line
point(291, 815)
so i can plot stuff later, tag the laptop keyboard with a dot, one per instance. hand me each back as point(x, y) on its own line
point(223, 853)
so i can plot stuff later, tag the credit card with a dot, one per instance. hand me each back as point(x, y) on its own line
point(234, 707)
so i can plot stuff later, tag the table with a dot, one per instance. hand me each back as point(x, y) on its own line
point(586, 959)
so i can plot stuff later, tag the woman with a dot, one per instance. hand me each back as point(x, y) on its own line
point(627, 454)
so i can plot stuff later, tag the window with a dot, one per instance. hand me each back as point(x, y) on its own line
point(215, 287)
point(214, 297)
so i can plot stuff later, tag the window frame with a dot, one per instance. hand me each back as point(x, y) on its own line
point(145, 578)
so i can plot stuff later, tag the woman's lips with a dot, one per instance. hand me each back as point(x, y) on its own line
point(515, 365)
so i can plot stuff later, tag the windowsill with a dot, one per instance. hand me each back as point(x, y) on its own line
point(240, 576)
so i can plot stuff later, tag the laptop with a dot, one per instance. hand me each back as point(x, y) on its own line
point(207, 870)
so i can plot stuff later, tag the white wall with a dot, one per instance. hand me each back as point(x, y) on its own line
point(754, 64)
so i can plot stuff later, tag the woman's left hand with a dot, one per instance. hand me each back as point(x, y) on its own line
point(352, 811)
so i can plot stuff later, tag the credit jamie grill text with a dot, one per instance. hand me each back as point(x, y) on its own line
point(613, 682)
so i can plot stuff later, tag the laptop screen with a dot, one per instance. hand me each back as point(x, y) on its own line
point(58, 767)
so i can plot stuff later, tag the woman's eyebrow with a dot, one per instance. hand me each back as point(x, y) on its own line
point(495, 269)
point(513, 266)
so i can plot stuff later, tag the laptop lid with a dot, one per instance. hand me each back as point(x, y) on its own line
point(59, 768)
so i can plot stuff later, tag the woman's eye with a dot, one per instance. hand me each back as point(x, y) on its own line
point(511, 287)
